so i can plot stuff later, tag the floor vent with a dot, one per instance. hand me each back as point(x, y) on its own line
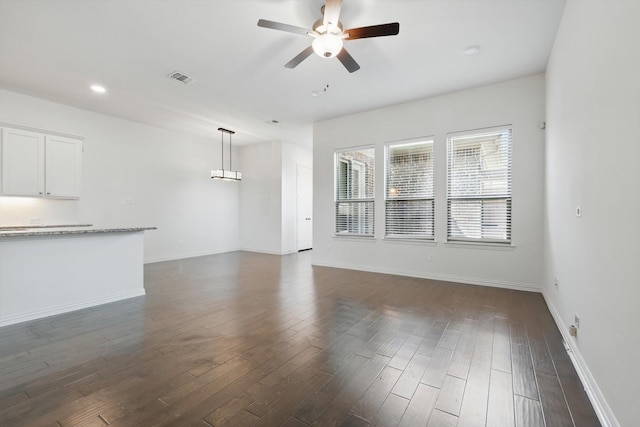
point(181, 77)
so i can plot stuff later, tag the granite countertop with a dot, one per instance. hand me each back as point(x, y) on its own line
point(63, 229)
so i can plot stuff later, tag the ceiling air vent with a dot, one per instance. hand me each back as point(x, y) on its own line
point(181, 77)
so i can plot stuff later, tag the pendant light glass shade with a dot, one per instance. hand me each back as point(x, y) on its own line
point(227, 175)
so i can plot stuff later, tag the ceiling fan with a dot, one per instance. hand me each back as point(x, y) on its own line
point(328, 35)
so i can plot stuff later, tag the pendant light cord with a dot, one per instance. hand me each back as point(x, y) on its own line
point(222, 132)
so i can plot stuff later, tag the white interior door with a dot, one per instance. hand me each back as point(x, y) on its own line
point(304, 209)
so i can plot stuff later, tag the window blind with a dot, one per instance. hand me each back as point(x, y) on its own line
point(409, 205)
point(354, 191)
point(479, 186)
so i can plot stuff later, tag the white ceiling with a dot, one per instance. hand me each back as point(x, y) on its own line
point(56, 49)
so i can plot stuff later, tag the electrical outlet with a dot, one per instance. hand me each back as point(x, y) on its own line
point(556, 283)
point(576, 321)
point(430, 257)
point(578, 211)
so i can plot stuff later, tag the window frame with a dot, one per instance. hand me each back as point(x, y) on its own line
point(349, 199)
point(413, 237)
point(507, 196)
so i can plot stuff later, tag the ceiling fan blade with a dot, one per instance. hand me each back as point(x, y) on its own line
point(283, 27)
point(332, 13)
point(390, 29)
point(299, 58)
point(347, 60)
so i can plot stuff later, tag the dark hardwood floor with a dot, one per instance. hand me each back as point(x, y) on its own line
point(245, 339)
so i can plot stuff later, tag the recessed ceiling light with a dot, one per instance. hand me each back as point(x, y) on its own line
point(471, 50)
point(98, 89)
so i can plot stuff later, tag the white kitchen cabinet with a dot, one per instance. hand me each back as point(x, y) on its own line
point(22, 163)
point(63, 167)
point(36, 164)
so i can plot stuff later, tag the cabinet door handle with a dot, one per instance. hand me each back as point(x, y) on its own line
point(40, 192)
point(48, 193)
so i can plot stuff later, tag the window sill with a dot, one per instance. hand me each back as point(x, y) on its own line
point(354, 237)
point(479, 245)
point(405, 241)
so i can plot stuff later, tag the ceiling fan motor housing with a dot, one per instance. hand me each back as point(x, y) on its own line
point(320, 28)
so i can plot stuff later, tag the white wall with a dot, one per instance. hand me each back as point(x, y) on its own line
point(519, 103)
point(268, 197)
point(261, 198)
point(165, 173)
point(592, 154)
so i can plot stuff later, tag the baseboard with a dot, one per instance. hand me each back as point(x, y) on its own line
point(443, 277)
point(188, 255)
point(18, 318)
point(263, 251)
point(198, 254)
point(598, 401)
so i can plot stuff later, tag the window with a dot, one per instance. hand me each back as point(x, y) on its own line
point(354, 191)
point(479, 186)
point(409, 190)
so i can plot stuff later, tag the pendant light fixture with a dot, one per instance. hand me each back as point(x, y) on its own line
point(227, 175)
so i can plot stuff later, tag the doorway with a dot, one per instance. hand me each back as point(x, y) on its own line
point(304, 207)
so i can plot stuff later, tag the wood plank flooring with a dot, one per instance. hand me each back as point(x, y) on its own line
point(245, 339)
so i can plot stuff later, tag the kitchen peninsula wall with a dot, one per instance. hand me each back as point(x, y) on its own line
point(133, 174)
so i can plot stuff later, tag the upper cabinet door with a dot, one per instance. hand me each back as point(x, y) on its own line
point(63, 167)
point(22, 163)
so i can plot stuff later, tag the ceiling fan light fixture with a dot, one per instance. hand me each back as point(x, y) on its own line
point(327, 45)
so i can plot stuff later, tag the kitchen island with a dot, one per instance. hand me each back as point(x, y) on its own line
point(47, 270)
